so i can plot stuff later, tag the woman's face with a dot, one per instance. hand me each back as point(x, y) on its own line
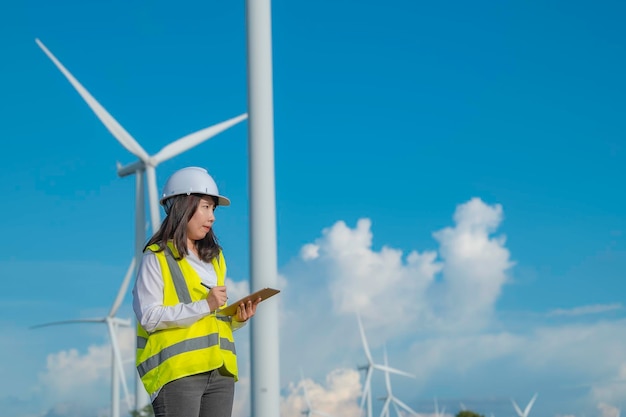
point(202, 220)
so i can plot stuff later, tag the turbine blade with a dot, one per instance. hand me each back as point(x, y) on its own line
point(517, 409)
point(54, 323)
point(403, 405)
point(393, 370)
point(109, 122)
point(187, 142)
point(364, 340)
point(387, 380)
point(122, 291)
point(530, 405)
point(385, 411)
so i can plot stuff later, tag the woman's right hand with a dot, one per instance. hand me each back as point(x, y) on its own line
point(217, 297)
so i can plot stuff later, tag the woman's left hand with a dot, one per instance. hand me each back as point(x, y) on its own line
point(245, 311)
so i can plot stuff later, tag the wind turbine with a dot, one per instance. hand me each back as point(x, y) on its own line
point(437, 413)
point(369, 368)
point(145, 165)
point(309, 411)
point(112, 323)
point(146, 162)
point(527, 409)
point(391, 399)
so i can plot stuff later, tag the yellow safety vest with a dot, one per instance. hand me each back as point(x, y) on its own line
point(169, 354)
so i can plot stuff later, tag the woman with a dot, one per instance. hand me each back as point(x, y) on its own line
point(185, 351)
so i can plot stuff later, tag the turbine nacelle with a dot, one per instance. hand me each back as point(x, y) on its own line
point(134, 168)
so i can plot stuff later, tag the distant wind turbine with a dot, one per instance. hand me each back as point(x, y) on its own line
point(309, 410)
point(527, 409)
point(369, 369)
point(437, 413)
point(391, 399)
point(146, 164)
point(112, 322)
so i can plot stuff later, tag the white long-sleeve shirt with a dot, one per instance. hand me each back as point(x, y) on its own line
point(148, 296)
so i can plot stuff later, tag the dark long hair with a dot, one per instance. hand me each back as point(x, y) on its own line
point(180, 209)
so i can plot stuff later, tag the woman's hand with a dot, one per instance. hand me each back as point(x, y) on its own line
point(217, 297)
point(245, 311)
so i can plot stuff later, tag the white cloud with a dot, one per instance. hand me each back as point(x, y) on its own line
point(338, 397)
point(309, 252)
point(586, 310)
point(607, 410)
point(473, 264)
point(85, 378)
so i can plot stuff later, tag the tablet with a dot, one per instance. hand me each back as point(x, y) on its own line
point(264, 294)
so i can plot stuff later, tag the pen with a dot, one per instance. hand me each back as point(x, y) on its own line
point(207, 287)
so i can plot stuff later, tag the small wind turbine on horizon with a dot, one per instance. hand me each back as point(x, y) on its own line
point(366, 396)
point(437, 413)
point(112, 323)
point(145, 165)
point(391, 399)
point(309, 410)
point(527, 409)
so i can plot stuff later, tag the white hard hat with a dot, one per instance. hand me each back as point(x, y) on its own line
point(192, 180)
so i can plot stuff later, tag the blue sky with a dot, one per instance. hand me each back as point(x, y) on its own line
point(454, 171)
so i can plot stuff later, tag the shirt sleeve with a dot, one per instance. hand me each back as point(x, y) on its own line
point(148, 300)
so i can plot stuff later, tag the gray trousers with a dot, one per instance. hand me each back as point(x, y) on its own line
point(208, 394)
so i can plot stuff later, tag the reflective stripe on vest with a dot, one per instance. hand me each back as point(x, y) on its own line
point(182, 347)
point(177, 276)
point(224, 343)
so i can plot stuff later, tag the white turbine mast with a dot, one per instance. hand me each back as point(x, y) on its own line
point(391, 399)
point(309, 410)
point(117, 367)
point(437, 412)
point(146, 164)
point(526, 411)
point(366, 395)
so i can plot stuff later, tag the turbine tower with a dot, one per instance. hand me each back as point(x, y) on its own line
point(366, 396)
point(145, 165)
point(527, 409)
point(112, 322)
point(264, 335)
point(391, 399)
